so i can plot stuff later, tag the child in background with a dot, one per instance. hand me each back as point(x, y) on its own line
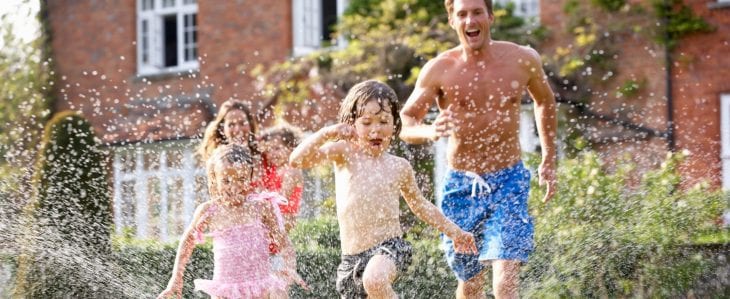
point(369, 182)
point(242, 224)
point(277, 143)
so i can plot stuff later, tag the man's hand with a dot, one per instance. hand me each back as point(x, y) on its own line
point(548, 178)
point(444, 124)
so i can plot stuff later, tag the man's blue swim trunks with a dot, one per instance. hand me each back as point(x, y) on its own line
point(493, 207)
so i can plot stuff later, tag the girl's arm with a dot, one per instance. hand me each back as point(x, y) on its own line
point(286, 248)
point(184, 251)
point(428, 212)
point(312, 150)
point(291, 179)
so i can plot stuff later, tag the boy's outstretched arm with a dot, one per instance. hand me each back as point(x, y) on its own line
point(184, 251)
point(428, 212)
point(312, 150)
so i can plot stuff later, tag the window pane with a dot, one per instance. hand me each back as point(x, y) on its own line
point(170, 38)
point(189, 1)
point(168, 3)
point(190, 34)
point(145, 40)
point(148, 5)
point(329, 19)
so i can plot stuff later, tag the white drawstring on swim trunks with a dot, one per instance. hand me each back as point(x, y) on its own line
point(477, 180)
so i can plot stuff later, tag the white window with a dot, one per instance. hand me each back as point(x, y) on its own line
point(313, 24)
point(167, 36)
point(524, 8)
point(725, 139)
point(156, 189)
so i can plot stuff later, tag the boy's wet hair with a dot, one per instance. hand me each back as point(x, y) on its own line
point(364, 92)
point(290, 135)
point(449, 4)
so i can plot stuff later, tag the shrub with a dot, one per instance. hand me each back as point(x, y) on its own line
point(69, 213)
point(600, 238)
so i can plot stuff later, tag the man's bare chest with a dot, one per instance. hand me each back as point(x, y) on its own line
point(482, 87)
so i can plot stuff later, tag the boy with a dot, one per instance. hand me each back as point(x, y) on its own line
point(369, 182)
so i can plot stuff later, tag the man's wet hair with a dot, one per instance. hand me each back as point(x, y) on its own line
point(449, 4)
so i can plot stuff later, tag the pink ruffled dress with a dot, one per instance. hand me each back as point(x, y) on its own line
point(241, 258)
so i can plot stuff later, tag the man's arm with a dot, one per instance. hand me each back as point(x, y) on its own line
point(424, 94)
point(546, 119)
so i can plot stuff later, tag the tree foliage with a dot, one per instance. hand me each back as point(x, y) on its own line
point(24, 107)
point(387, 40)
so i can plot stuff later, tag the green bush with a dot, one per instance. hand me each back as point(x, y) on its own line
point(605, 235)
point(69, 213)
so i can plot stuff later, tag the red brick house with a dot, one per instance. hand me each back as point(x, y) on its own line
point(149, 74)
point(684, 103)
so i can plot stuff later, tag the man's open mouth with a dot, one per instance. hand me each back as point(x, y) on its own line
point(472, 32)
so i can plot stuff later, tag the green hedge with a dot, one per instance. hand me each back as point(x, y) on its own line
point(604, 235)
point(614, 235)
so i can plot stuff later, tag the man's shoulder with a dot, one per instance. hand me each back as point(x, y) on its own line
point(448, 57)
point(515, 49)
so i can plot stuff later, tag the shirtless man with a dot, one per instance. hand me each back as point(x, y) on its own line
point(369, 182)
point(478, 87)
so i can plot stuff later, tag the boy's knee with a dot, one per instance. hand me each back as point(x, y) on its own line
point(375, 284)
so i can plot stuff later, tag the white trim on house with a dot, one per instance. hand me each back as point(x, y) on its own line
point(725, 139)
point(307, 25)
point(524, 8)
point(150, 36)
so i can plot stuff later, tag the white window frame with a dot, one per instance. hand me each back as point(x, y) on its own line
point(725, 139)
point(524, 8)
point(307, 25)
point(150, 39)
point(140, 176)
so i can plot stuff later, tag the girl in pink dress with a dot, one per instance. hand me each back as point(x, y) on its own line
point(242, 224)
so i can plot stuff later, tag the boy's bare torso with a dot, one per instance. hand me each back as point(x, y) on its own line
point(368, 195)
point(485, 100)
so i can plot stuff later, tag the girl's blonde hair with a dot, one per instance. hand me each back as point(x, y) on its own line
point(235, 154)
point(214, 136)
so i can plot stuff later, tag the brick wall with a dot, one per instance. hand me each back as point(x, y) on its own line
point(94, 51)
point(701, 68)
point(701, 73)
